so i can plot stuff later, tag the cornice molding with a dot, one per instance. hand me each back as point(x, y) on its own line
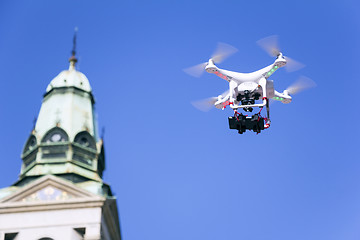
point(80, 197)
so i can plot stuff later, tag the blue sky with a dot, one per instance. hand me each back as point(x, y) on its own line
point(179, 173)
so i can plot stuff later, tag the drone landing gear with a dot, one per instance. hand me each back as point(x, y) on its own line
point(243, 123)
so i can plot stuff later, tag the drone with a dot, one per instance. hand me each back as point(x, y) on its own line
point(250, 90)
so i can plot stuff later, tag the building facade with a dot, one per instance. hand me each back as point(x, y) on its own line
point(60, 193)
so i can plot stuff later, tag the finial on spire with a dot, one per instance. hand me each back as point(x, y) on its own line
point(73, 59)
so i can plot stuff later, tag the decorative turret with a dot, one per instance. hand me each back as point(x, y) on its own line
point(64, 141)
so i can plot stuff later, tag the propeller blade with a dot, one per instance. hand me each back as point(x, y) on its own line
point(197, 70)
point(205, 104)
point(292, 65)
point(270, 45)
point(222, 52)
point(301, 84)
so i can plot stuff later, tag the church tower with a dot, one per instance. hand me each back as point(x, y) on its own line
point(60, 193)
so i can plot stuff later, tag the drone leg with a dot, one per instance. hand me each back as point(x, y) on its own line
point(262, 83)
point(233, 91)
point(267, 124)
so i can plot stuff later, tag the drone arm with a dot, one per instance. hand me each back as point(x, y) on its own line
point(282, 97)
point(265, 73)
point(241, 77)
point(269, 70)
point(221, 103)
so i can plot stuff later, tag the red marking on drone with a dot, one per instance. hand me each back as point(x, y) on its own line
point(217, 73)
point(227, 103)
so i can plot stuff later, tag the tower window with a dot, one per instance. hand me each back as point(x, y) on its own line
point(84, 148)
point(30, 158)
point(55, 135)
point(54, 151)
point(30, 144)
point(85, 140)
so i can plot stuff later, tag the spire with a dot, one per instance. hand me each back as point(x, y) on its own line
point(70, 77)
point(65, 141)
point(73, 59)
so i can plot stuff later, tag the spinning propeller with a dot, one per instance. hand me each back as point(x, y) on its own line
point(222, 52)
point(271, 46)
point(208, 103)
point(205, 104)
point(301, 84)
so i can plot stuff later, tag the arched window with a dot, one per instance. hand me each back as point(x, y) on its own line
point(46, 238)
point(85, 139)
point(30, 144)
point(55, 135)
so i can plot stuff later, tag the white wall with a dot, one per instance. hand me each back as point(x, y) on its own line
point(56, 224)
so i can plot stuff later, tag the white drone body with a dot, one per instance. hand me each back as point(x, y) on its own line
point(250, 90)
point(254, 82)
